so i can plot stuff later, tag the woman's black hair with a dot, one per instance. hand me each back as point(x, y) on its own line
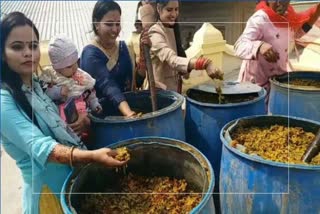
point(176, 29)
point(100, 9)
point(137, 10)
point(11, 80)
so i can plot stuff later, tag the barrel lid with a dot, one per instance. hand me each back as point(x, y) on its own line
point(231, 88)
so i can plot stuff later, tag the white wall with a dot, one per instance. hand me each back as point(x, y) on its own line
point(128, 17)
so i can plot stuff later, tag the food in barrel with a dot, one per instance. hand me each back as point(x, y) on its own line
point(207, 97)
point(276, 143)
point(305, 82)
point(148, 195)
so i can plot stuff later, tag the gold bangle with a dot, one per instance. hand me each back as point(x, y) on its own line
point(71, 156)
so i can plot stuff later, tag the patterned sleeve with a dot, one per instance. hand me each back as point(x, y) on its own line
point(248, 44)
point(164, 53)
point(20, 131)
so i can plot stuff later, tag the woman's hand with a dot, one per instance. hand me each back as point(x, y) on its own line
point(268, 53)
point(214, 72)
point(81, 125)
point(125, 109)
point(202, 63)
point(186, 76)
point(144, 38)
point(64, 154)
point(106, 157)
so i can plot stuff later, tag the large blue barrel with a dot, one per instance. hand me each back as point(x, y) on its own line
point(149, 157)
point(204, 121)
point(293, 100)
point(167, 121)
point(250, 184)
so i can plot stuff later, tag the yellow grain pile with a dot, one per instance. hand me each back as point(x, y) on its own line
point(277, 143)
point(145, 195)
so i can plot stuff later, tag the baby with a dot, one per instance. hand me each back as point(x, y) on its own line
point(65, 79)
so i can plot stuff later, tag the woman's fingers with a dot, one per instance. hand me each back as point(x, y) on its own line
point(112, 153)
point(145, 39)
point(268, 53)
point(271, 56)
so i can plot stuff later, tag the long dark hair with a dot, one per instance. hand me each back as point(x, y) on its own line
point(11, 80)
point(137, 10)
point(176, 29)
point(100, 9)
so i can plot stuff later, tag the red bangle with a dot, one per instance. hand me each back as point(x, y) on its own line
point(196, 66)
point(203, 63)
point(199, 63)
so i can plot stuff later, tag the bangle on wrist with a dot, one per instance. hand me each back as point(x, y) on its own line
point(196, 64)
point(200, 63)
point(71, 156)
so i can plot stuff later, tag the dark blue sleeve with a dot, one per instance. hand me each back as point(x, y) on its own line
point(94, 62)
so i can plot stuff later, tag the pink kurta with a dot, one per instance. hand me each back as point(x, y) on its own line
point(254, 67)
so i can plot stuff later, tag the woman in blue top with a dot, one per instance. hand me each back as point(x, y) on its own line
point(32, 132)
point(109, 61)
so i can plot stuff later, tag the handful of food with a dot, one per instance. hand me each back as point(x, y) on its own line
point(122, 154)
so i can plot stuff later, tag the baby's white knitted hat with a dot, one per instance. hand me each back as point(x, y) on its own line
point(62, 52)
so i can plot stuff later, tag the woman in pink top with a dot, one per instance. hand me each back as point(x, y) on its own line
point(266, 40)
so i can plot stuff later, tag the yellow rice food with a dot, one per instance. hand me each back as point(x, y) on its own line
point(276, 143)
point(305, 82)
point(156, 195)
point(123, 154)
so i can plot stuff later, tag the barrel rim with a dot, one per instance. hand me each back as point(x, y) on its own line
point(264, 161)
point(212, 176)
point(178, 100)
point(274, 82)
point(196, 209)
point(262, 95)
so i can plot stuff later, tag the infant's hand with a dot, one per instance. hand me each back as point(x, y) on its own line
point(64, 91)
